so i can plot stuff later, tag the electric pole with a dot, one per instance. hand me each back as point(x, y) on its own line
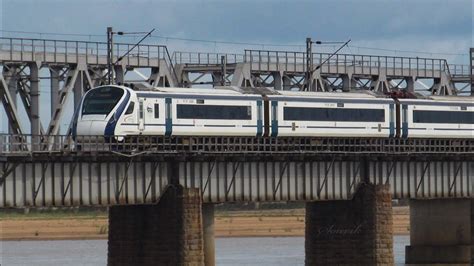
point(309, 63)
point(110, 54)
point(309, 60)
point(223, 69)
point(471, 57)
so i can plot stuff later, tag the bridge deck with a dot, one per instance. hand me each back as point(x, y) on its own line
point(110, 179)
point(16, 50)
point(11, 145)
point(231, 170)
point(295, 62)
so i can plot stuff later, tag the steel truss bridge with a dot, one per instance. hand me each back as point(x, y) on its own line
point(228, 169)
point(45, 168)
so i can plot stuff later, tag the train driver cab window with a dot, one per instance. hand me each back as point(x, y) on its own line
point(130, 108)
point(101, 101)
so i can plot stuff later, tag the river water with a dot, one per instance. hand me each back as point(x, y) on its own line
point(261, 251)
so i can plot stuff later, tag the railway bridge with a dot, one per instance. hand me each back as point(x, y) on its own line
point(161, 191)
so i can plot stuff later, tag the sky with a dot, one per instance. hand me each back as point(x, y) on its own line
point(415, 25)
point(433, 28)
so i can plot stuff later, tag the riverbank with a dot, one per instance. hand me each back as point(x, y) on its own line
point(251, 223)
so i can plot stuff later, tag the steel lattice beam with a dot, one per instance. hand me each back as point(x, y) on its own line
point(10, 107)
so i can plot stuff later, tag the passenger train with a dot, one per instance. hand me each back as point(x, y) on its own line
point(120, 111)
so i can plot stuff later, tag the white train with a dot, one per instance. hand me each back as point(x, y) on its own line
point(121, 111)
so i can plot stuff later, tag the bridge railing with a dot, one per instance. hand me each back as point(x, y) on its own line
point(33, 144)
point(66, 51)
point(460, 70)
point(196, 58)
point(367, 64)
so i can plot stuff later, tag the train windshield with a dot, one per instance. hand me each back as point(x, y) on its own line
point(101, 101)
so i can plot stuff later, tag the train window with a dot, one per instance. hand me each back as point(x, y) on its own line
point(101, 101)
point(189, 111)
point(157, 110)
point(333, 114)
point(130, 108)
point(140, 109)
point(443, 117)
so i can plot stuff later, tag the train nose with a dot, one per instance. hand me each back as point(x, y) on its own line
point(91, 128)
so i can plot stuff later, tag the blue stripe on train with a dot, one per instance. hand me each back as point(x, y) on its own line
point(274, 118)
point(391, 121)
point(259, 119)
point(110, 127)
point(168, 121)
point(404, 121)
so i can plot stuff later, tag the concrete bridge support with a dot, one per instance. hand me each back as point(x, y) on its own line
point(348, 83)
point(242, 76)
point(168, 233)
point(208, 234)
point(355, 232)
point(380, 83)
point(440, 232)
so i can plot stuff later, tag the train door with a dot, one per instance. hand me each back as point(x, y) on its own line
point(266, 117)
point(397, 119)
point(168, 117)
point(274, 118)
point(141, 115)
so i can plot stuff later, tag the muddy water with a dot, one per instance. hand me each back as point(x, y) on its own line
point(261, 251)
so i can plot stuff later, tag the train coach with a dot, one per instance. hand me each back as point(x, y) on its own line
point(117, 110)
point(437, 117)
point(121, 111)
point(331, 114)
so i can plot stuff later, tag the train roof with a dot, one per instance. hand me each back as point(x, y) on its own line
point(328, 94)
point(453, 98)
point(234, 90)
point(227, 90)
point(245, 91)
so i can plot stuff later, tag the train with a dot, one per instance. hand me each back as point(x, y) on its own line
point(114, 110)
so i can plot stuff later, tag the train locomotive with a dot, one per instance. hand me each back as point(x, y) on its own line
point(229, 111)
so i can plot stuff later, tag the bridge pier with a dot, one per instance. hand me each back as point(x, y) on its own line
point(167, 233)
point(440, 232)
point(355, 232)
point(208, 234)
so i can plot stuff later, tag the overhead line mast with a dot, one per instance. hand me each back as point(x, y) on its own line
point(309, 58)
point(110, 50)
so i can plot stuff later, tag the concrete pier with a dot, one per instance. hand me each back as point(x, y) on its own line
point(441, 232)
point(472, 230)
point(168, 233)
point(208, 233)
point(355, 232)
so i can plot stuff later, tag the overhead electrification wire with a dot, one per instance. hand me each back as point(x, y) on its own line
point(229, 42)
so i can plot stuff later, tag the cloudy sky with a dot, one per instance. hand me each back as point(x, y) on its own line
point(433, 28)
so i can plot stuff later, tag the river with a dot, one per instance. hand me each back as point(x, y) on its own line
point(260, 251)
